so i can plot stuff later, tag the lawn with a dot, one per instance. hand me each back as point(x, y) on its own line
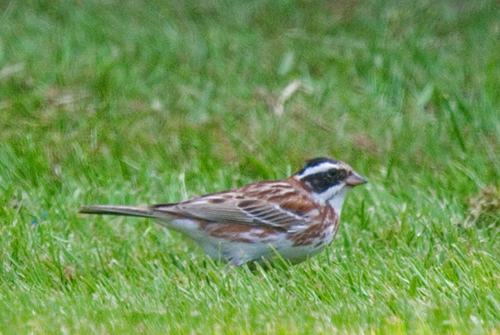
point(137, 102)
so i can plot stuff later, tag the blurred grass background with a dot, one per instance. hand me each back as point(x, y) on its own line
point(135, 102)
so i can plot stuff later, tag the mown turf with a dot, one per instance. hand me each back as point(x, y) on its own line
point(134, 102)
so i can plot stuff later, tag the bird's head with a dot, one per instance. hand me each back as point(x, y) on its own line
point(329, 180)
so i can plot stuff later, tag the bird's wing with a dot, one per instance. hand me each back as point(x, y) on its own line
point(239, 208)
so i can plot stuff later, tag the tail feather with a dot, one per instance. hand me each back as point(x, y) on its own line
point(143, 211)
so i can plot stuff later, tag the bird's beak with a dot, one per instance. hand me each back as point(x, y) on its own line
point(355, 179)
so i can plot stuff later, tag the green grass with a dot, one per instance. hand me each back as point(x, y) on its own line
point(135, 102)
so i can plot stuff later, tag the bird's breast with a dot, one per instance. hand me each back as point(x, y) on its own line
point(320, 230)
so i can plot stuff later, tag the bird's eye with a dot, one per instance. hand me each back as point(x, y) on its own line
point(335, 176)
point(338, 174)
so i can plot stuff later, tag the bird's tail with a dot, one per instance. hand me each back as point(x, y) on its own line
point(142, 211)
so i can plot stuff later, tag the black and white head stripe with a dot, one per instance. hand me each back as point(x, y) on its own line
point(322, 173)
point(320, 164)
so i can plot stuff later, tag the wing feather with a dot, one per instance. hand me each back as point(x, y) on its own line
point(236, 208)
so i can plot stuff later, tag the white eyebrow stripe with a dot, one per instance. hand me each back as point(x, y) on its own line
point(323, 167)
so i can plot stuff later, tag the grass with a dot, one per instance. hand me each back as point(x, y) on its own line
point(136, 102)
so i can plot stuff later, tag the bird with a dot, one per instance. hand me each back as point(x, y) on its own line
point(294, 218)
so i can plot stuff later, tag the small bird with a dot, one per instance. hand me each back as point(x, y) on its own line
point(295, 217)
